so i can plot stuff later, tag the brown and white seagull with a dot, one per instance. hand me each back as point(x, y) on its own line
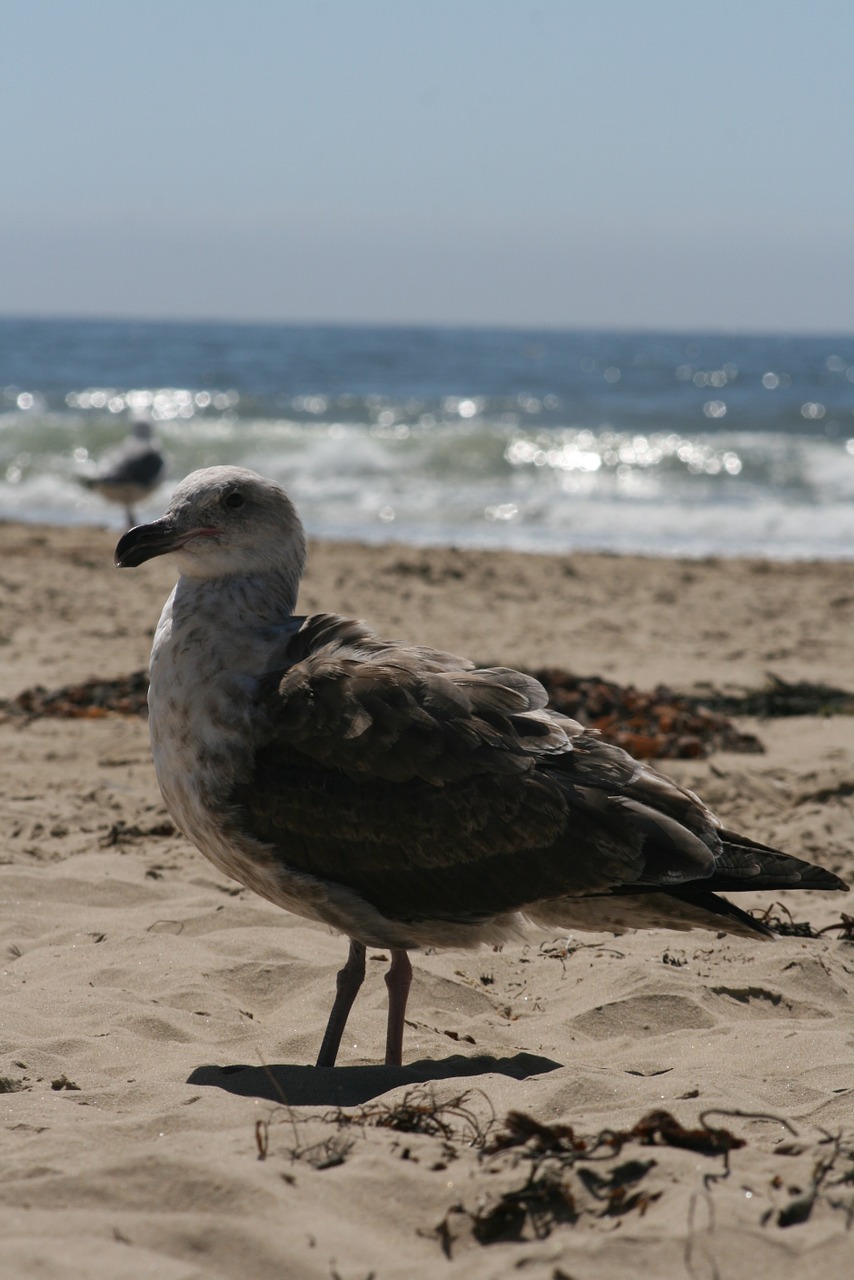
point(393, 791)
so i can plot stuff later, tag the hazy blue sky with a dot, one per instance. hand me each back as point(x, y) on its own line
point(664, 163)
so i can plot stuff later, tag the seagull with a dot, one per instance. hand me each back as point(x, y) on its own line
point(131, 471)
point(397, 792)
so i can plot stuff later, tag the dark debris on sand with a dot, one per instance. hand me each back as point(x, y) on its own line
point(779, 918)
point(538, 1176)
point(647, 724)
point(88, 699)
point(784, 698)
point(566, 1178)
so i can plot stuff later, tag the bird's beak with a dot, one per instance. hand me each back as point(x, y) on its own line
point(146, 541)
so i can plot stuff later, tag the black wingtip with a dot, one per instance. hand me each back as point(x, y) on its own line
point(728, 911)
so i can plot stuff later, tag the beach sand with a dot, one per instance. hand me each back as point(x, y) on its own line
point(161, 1116)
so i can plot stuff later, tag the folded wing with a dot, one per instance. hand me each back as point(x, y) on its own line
point(437, 791)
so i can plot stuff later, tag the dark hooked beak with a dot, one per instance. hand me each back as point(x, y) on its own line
point(144, 542)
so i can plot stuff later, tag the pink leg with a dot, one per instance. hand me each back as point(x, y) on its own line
point(398, 980)
point(347, 984)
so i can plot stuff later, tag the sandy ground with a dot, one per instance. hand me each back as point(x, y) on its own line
point(161, 1117)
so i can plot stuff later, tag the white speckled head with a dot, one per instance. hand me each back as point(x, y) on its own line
point(221, 522)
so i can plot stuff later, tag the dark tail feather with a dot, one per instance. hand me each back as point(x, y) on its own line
point(708, 901)
point(745, 864)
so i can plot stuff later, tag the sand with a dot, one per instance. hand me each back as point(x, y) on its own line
point(161, 1116)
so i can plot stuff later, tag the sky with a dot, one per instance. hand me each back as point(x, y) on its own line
point(667, 164)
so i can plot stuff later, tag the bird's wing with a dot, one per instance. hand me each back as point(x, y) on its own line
point(439, 791)
point(133, 462)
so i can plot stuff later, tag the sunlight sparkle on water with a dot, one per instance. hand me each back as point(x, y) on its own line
point(164, 404)
point(586, 452)
point(502, 511)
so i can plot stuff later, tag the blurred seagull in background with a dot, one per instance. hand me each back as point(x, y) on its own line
point(394, 791)
point(131, 471)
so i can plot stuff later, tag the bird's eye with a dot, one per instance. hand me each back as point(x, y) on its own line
point(234, 499)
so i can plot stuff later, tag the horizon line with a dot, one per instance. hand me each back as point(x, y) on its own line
point(722, 330)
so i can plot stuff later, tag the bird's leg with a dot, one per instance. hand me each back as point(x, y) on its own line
point(130, 517)
point(398, 980)
point(347, 984)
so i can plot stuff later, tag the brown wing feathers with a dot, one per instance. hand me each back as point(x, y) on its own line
point(436, 791)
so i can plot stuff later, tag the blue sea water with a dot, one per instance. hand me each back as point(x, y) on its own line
point(689, 444)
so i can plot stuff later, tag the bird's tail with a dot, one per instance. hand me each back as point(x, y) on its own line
point(745, 864)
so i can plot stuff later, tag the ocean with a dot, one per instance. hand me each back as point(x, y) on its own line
point(659, 443)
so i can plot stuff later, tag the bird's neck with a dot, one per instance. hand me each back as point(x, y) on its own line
point(240, 601)
point(241, 625)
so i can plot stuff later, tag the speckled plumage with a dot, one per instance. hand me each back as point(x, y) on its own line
point(393, 791)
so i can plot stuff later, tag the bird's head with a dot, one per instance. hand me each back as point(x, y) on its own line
point(222, 521)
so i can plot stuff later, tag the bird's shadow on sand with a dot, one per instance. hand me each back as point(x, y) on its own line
point(299, 1086)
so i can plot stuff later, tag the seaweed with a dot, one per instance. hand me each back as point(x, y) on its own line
point(786, 925)
point(568, 1178)
point(419, 1112)
point(784, 698)
point(650, 724)
point(86, 699)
